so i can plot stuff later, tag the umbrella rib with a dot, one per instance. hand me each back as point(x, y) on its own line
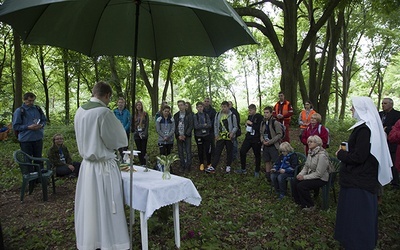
point(34, 23)
point(152, 28)
point(97, 27)
point(206, 31)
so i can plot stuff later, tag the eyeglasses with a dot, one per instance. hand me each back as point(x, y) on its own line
point(384, 103)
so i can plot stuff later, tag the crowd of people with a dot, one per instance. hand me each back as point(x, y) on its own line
point(369, 159)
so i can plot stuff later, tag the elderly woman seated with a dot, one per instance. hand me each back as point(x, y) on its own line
point(313, 175)
point(61, 159)
point(284, 167)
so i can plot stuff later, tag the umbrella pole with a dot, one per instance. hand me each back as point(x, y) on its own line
point(133, 96)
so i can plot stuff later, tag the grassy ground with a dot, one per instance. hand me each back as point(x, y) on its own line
point(236, 212)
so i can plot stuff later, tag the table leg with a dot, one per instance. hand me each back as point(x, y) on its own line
point(143, 231)
point(175, 208)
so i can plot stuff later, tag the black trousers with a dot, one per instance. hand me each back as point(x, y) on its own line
point(34, 149)
point(246, 146)
point(165, 149)
point(64, 170)
point(141, 145)
point(301, 191)
point(219, 146)
point(204, 148)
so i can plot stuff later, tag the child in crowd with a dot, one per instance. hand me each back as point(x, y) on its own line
point(284, 167)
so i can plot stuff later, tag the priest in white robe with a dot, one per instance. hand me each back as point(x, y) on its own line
point(100, 220)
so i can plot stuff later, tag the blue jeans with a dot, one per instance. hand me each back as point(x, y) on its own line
point(279, 181)
point(185, 152)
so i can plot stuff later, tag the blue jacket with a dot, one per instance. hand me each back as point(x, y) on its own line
point(124, 117)
point(25, 116)
point(288, 163)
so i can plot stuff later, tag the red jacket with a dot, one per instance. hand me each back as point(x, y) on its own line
point(319, 130)
point(285, 109)
point(394, 137)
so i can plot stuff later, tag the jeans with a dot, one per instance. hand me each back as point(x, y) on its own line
point(185, 152)
point(279, 181)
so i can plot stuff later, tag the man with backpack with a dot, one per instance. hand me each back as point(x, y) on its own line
point(28, 123)
point(238, 132)
point(225, 127)
point(271, 136)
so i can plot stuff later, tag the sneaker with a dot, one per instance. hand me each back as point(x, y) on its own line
point(201, 167)
point(241, 171)
point(281, 196)
point(228, 169)
point(210, 169)
point(256, 174)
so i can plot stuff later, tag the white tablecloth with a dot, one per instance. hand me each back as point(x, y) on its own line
point(150, 191)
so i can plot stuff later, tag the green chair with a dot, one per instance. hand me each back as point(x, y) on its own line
point(39, 174)
point(330, 185)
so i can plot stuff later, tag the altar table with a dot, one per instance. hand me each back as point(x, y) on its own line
point(151, 192)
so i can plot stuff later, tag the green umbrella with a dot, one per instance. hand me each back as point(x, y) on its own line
point(166, 28)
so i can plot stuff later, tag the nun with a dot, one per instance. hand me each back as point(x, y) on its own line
point(366, 164)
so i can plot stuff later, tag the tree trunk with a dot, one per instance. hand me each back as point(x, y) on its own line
point(96, 69)
point(209, 78)
point(290, 64)
point(167, 81)
point(44, 83)
point(259, 86)
point(66, 86)
point(330, 63)
point(115, 80)
point(302, 87)
point(18, 71)
point(78, 83)
point(151, 88)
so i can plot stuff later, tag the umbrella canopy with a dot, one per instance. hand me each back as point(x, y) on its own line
point(167, 28)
